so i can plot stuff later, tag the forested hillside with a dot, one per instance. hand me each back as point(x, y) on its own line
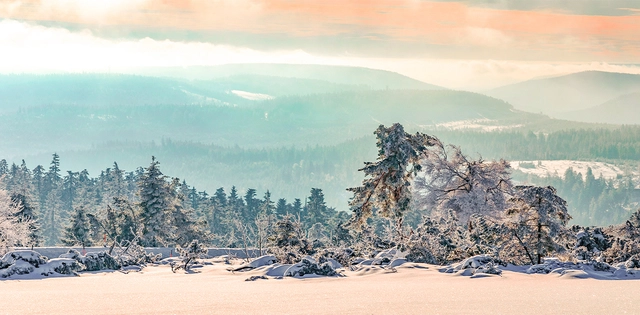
point(321, 119)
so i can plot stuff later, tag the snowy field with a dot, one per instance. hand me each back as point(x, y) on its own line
point(406, 289)
point(544, 168)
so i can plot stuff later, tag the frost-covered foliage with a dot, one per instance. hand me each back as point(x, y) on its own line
point(190, 255)
point(623, 241)
point(340, 254)
point(93, 261)
point(538, 218)
point(589, 243)
point(309, 266)
point(478, 264)
point(14, 229)
point(386, 186)
point(135, 255)
point(451, 180)
point(555, 265)
point(436, 241)
point(288, 242)
point(156, 207)
point(24, 262)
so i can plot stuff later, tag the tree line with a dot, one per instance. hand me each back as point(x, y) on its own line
point(77, 209)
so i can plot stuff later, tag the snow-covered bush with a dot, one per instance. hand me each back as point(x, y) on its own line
point(93, 261)
point(135, 255)
point(287, 241)
point(340, 255)
point(478, 264)
point(633, 262)
point(99, 261)
point(29, 256)
point(190, 255)
point(24, 262)
point(63, 266)
point(437, 241)
point(555, 265)
point(308, 266)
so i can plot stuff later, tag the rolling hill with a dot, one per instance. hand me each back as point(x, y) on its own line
point(566, 93)
point(624, 109)
point(20, 91)
point(370, 78)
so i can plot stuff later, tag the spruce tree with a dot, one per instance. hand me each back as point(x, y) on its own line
point(156, 205)
point(79, 230)
point(316, 209)
point(282, 208)
point(387, 181)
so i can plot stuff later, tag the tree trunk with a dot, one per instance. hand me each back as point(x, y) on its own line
point(539, 249)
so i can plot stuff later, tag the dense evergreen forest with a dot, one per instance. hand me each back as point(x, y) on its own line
point(52, 195)
point(63, 203)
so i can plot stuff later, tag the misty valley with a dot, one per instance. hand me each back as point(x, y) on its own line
point(320, 171)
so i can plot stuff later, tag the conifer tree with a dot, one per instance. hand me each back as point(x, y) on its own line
point(267, 205)
point(316, 209)
point(387, 181)
point(282, 208)
point(27, 213)
point(156, 206)
point(79, 230)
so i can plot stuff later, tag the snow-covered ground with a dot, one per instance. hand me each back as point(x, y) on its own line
point(483, 124)
point(252, 96)
point(407, 288)
point(544, 168)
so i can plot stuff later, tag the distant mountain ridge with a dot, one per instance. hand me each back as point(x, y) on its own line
point(567, 93)
point(624, 109)
point(372, 78)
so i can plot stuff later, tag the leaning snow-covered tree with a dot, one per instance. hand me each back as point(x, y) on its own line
point(386, 187)
point(451, 181)
point(14, 229)
point(537, 218)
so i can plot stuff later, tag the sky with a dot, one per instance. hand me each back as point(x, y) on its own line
point(471, 45)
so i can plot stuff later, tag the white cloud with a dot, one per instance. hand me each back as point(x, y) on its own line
point(31, 48)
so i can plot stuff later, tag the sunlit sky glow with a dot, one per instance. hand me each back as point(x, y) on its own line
point(457, 44)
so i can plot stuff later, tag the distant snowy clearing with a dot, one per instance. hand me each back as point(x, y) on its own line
point(483, 124)
point(544, 168)
point(252, 96)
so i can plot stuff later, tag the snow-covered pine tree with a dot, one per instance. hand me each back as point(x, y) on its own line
point(156, 204)
point(52, 218)
point(537, 218)
point(287, 241)
point(27, 212)
point(266, 206)
point(14, 229)
point(78, 232)
point(386, 186)
point(316, 209)
point(187, 227)
point(282, 208)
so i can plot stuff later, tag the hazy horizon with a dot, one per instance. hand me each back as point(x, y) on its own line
point(470, 45)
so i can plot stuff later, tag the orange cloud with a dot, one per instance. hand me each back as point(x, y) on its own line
point(434, 23)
